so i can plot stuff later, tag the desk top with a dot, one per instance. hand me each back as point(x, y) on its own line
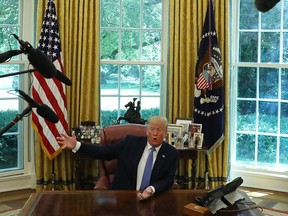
point(107, 202)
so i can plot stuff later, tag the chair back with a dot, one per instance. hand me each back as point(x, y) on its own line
point(112, 134)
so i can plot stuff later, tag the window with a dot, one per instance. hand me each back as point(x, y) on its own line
point(259, 114)
point(14, 145)
point(132, 57)
point(10, 141)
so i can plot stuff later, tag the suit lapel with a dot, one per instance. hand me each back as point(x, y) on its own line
point(137, 154)
point(160, 160)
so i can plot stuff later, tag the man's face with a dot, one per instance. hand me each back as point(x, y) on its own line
point(155, 134)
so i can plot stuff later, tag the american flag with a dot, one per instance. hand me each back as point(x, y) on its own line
point(209, 88)
point(203, 80)
point(50, 91)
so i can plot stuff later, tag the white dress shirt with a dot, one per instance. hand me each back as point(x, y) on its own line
point(142, 163)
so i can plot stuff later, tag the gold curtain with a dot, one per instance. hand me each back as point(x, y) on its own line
point(79, 32)
point(186, 23)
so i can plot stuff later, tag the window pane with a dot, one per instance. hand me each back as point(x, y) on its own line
point(248, 42)
point(270, 46)
point(129, 80)
point(267, 151)
point(8, 69)
point(130, 46)
point(110, 13)
point(285, 47)
point(284, 84)
point(285, 15)
point(7, 40)
point(245, 148)
point(152, 14)
point(9, 152)
point(8, 112)
point(246, 115)
point(268, 83)
point(271, 19)
point(150, 106)
point(151, 48)
point(9, 15)
point(268, 117)
point(109, 110)
point(131, 13)
point(109, 45)
point(284, 118)
point(247, 78)
point(5, 85)
point(284, 152)
point(248, 15)
point(151, 80)
point(109, 79)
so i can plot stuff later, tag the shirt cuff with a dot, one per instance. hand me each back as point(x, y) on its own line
point(153, 189)
point(77, 146)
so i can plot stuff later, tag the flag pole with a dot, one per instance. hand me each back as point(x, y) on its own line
point(53, 176)
point(206, 173)
point(210, 87)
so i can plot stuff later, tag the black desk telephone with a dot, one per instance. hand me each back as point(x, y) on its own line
point(219, 192)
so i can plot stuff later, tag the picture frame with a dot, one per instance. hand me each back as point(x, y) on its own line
point(168, 137)
point(178, 143)
point(195, 128)
point(185, 127)
point(175, 130)
point(198, 140)
point(183, 121)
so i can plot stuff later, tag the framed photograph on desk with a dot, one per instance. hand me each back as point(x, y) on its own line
point(198, 140)
point(168, 137)
point(185, 122)
point(175, 131)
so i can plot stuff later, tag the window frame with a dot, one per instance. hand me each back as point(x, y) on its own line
point(23, 178)
point(163, 63)
point(254, 176)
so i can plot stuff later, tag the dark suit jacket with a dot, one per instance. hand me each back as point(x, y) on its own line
point(128, 152)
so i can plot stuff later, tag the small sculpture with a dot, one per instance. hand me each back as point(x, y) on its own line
point(132, 114)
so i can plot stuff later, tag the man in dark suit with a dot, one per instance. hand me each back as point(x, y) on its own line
point(132, 153)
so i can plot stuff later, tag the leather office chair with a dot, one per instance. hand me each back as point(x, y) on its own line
point(110, 135)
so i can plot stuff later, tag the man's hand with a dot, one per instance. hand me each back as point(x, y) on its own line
point(146, 194)
point(67, 142)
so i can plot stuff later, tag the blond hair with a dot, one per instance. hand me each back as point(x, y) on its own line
point(158, 120)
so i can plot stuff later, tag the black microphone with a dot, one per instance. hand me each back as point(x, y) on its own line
point(7, 55)
point(42, 63)
point(42, 109)
point(61, 77)
point(265, 5)
point(38, 59)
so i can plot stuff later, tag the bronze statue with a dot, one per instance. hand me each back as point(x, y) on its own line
point(132, 114)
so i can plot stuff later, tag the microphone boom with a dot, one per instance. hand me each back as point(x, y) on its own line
point(9, 54)
point(42, 109)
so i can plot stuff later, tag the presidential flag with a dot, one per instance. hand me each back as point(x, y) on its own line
point(209, 84)
point(50, 91)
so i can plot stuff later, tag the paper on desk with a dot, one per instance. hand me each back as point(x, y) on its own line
point(219, 204)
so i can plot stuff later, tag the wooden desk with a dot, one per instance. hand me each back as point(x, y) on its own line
point(185, 154)
point(108, 202)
